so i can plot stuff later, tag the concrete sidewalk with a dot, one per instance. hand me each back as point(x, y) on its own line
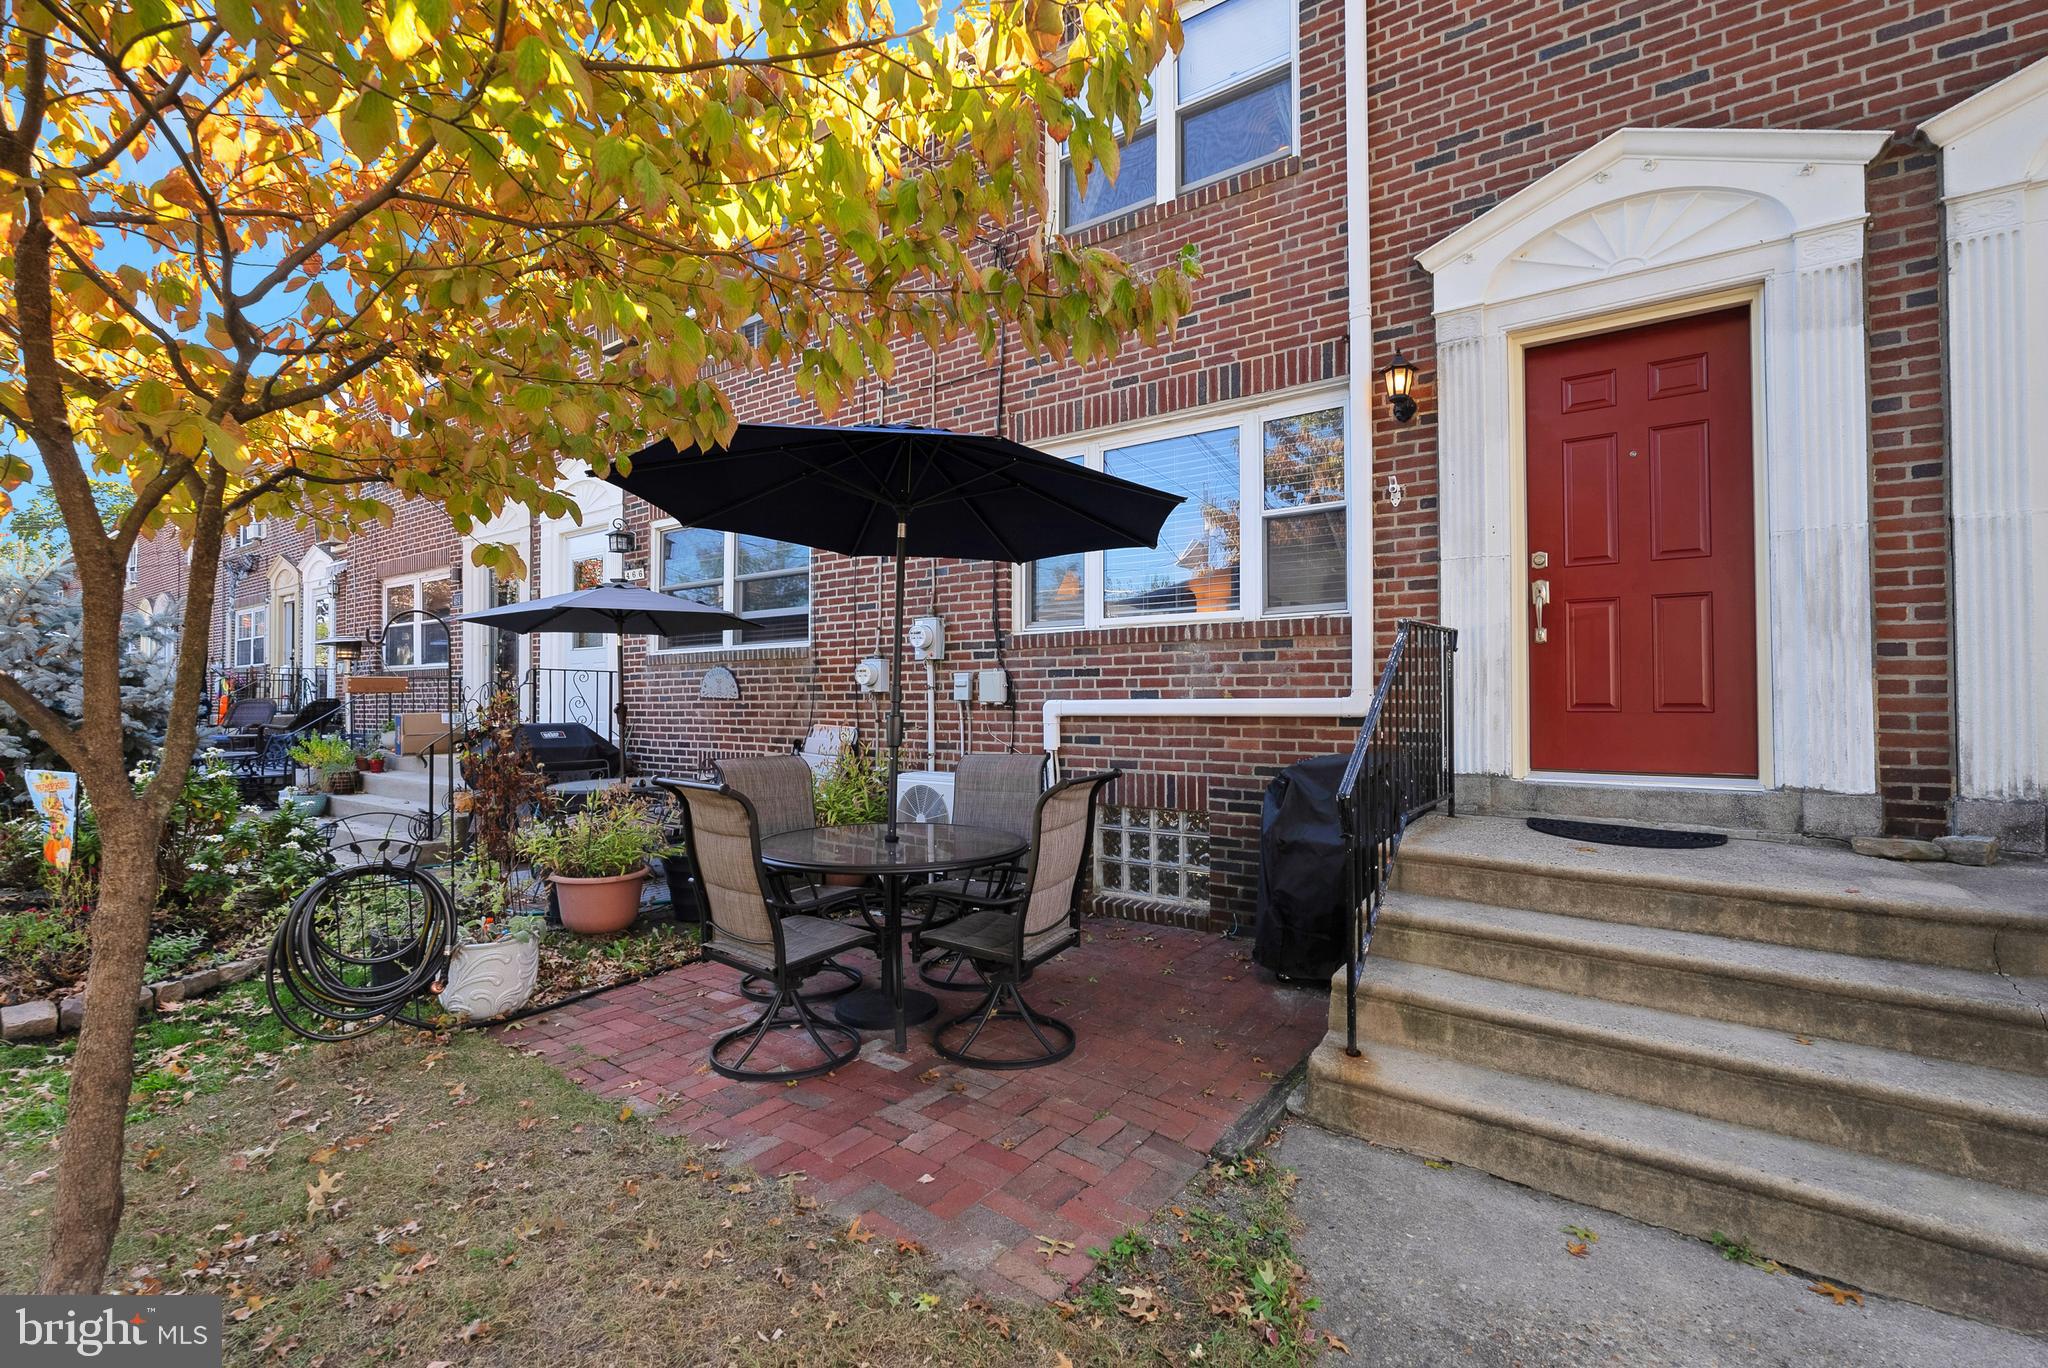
point(1423, 1266)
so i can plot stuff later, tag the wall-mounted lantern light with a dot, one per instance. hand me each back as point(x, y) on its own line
point(346, 650)
point(1399, 379)
point(619, 541)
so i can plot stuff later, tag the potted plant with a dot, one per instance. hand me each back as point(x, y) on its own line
point(596, 858)
point(853, 792)
point(331, 759)
point(312, 802)
point(496, 960)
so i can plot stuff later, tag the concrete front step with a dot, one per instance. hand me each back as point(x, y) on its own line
point(1943, 1241)
point(1979, 1123)
point(1816, 899)
point(407, 787)
point(1974, 1018)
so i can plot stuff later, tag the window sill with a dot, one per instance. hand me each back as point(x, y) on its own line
point(725, 655)
point(1195, 197)
point(1217, 628)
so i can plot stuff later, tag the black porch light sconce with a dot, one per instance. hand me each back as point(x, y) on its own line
point(1399, 381)
point(619, 541)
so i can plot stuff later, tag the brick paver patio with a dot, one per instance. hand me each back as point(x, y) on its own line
point(1179, 1035)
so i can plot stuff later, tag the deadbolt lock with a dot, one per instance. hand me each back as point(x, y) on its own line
point(1539, 560)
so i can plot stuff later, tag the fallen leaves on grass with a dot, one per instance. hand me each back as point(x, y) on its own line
point(318, 1193)
point(1143, 1304)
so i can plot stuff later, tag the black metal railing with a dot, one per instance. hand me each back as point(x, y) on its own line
point(1401, 767)
point(553, 694)
point(290, 689)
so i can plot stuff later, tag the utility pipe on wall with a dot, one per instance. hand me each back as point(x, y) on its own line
point(1358, 508)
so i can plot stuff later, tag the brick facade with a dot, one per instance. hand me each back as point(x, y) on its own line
point(1470, 104)
point(1467, 106)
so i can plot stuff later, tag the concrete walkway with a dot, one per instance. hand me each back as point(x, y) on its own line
point(1425, 1266)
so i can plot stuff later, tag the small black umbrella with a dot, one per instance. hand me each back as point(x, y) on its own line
point(901, 492)
point(611, 608)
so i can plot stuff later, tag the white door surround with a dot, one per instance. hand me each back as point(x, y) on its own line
point(1652, 223)
point(1994, 176)
point(513, 525)
point(584, 695)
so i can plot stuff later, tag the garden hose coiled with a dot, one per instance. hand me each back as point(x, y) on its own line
point(359, 948)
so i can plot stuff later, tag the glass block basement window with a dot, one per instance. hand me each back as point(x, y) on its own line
point(1153, 853)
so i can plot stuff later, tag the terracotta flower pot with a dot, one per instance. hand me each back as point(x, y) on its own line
point(593, 907)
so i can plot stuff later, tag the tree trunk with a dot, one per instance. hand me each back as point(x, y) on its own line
point(86, 1210)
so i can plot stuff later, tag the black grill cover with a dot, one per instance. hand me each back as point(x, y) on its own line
point(559, 746)
point(1302, 917)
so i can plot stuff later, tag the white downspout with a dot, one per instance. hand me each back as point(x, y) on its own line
point(1358, 508)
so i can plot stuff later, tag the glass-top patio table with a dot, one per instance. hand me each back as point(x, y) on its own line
point(920, 848)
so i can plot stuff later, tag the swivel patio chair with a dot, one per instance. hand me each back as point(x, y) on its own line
point(994, 789)
point(1006, 937)
point(761, 936)
point(779, 787)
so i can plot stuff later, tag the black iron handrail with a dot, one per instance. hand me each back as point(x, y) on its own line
point(1400, 768)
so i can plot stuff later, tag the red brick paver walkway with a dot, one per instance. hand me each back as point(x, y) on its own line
point(1179, 1035)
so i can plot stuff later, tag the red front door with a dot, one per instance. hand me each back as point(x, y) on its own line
point(1642, 523)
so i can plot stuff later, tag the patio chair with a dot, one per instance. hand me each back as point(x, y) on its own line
point(1008, 936)
point(749, 928)
point(994, 789)
point(779, 787)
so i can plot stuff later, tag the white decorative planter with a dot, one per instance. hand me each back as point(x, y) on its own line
point(491, 978)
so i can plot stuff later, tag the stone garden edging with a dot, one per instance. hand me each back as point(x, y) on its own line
point(45, 1017)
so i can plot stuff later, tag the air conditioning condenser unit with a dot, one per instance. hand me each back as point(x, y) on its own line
point(924, 796)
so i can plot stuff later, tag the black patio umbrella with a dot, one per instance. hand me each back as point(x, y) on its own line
point(899, 492)
point(611, 608)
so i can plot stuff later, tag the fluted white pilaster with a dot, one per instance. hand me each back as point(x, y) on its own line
point(1472, 512)
point(1998, 366)
point(1823, 705)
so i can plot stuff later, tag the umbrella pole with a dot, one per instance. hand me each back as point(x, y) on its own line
point(895, 737)
point(619, 695)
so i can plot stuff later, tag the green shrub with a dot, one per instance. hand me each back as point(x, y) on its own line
point(613, 834)
point(44, 942)
point(854, 790)
point(170, 953)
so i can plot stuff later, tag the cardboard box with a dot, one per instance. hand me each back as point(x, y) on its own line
point(423, 733)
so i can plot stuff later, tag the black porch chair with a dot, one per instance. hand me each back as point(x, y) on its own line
point(762, 937)
point(1006, 937)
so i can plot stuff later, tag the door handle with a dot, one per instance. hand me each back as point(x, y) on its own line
point(1539, 597)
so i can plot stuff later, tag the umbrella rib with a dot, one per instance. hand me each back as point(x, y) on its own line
point(1069, 505)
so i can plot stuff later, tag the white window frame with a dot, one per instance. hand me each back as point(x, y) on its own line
point(252, 531)
point(1250, 421)
point(1166, 117)
point(728, 594)
point(414, 625)
point(252, 629)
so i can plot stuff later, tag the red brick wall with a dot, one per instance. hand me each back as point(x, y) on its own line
point(1469, 104)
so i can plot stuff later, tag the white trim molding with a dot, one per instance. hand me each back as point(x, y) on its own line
point(1656, 223)
point(1994, 171)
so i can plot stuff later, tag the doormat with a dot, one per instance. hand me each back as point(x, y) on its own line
point(1604, 833)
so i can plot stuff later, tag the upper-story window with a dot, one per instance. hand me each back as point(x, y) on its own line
point(134, 566)
point(252, 531)
point(252, 636)
point(1224, 103)
point(766, 581)
point(411, 641)
point(1261, 531)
